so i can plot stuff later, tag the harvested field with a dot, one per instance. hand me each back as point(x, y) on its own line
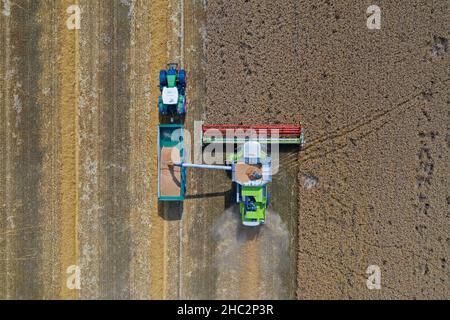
point(78, 146)
point(77, 181)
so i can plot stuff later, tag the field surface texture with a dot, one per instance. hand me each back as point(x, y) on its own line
point(79, 215)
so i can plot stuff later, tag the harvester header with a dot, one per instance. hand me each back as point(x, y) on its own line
point(263, 133)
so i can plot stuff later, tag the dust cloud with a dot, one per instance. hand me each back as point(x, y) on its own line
point(250, 261)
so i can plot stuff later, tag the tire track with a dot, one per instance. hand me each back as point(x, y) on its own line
point(172, 212)
point(67, 77)
point(363, 128)
point(5, 145)
point(142, 136)
point(158, 57)
point(90, 158)
point(115, 149)
point(105, 223)
point(249, 275)
point(24, 249)
point(49, 131)
point(199, 273)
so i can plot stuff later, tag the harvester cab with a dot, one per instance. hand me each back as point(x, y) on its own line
point(172, 84)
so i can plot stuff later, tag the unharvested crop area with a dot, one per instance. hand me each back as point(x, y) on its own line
point(377, 109)
point(78, 149)
point(373, 179)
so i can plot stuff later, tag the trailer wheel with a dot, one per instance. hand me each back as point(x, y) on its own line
point(181, 108)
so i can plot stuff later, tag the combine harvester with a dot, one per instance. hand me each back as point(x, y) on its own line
point(250, 166)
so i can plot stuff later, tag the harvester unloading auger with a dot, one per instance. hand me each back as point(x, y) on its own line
point(250, 166)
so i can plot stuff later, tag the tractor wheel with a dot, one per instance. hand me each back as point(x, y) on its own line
point(162, 78)
point(182, 78)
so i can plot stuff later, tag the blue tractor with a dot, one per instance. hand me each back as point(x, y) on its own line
point(172, 83)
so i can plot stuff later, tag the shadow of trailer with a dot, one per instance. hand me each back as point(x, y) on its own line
point(171, 179)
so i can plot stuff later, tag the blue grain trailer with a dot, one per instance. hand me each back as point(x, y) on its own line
point(171, 178)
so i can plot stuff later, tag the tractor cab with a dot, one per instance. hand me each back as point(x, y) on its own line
point(172, 84)
point(169, 96)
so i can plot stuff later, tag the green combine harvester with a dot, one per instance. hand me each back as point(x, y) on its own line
point(250, 166)
point(251, 170)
